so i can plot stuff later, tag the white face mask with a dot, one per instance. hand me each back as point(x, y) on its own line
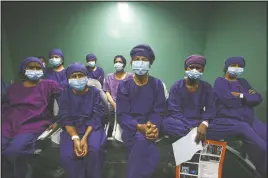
point(118, 66)
point(44, 64)
point(55, 62)
point(91, 63)
point(235, 71)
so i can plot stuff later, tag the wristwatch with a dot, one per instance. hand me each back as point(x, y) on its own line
point(75, 137)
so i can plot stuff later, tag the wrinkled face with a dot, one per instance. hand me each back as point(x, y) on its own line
point(197, 67)
point(77, 75)
point(33, 66)
point(139, 58)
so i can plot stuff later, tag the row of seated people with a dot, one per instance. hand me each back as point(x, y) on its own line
point(140, 106)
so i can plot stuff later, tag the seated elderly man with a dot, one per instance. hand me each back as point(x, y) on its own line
point(190, 102)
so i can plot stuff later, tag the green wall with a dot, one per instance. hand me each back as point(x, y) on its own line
point(79, 28)
point(7, 72)
point(175, 30)
point(239, 29)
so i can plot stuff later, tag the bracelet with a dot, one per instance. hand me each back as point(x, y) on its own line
point(205, 123)
point(75, 137)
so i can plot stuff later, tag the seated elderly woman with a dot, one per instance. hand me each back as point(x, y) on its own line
point(94, 71)
point(26, 113)
point(57, 72)
point(235, 102)
point(140, 104)
point(112, 80)
point(81, 115)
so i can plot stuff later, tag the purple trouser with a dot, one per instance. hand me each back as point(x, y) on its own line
point(223, 128)
point(91, 165)
point(143, 155)
point(15, 153)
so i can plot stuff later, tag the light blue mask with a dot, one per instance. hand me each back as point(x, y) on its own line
point(55, 62)
point(140, 67)
point(118, 66)
point(235, 71)
point(78, 84)
point(34, 74)
point(91, 63)
point(193, 74)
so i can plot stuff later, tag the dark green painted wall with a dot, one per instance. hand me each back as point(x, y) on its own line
point(175, 30)
point(239, 29)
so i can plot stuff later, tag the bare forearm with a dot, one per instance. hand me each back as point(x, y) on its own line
point(88, 131)
point(109, 97)
point(71, 130)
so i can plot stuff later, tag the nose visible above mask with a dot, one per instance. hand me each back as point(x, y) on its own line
point(91, 63)
point(235, 71)
point(193, 74)
point(55, 62)
point(34, 74)
point(118, 66)
point(78, 84)
point(140, 67)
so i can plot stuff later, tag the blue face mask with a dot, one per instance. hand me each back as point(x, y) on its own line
point(235, 71)
point(34, 74)
point(193, 74)
point(140, 67)
point(91, 63)
point(55, 62)
point(78, 84)
point(118, 66)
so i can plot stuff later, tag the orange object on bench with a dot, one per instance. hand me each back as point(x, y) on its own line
point(221, 144)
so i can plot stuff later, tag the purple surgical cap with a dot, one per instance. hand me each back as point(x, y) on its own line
point(143, 50)
point(195, 59)
point(121, 57)
point(234, 60)
point(91, 57)
point(57, 52)
point(76, 67)
point(27, 60)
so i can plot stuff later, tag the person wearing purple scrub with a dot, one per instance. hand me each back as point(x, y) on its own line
point(81, 115)
point(26, 113)
point(57, 73)
point(235, 102)
point(94, 71)
point(190, 102)
point(140, 105)
point(43, 60)
point(112, 80)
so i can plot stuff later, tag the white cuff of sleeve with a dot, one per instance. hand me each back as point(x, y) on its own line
point(75, 137)
point(241, 95)
point(205, 123)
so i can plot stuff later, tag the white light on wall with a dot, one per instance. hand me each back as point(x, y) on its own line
point(123, 11)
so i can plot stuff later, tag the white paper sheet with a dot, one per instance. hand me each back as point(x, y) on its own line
point(186, 147)
point(44, 135)
point(55, 137)
point(208, 170)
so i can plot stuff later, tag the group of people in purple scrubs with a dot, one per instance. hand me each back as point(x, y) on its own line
point(219, 112)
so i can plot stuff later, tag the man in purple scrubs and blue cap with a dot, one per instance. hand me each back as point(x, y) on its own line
point(140, 105)
point(235, 102)
point(190, 102)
